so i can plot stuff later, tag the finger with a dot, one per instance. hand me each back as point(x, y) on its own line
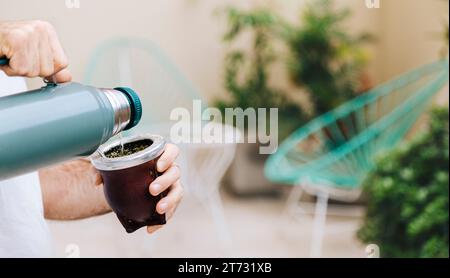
point(60, 77)
point(19, 64)
point(171, 212)
point(152, 229)
point(34, 50)
point(164, 181)
point(167, 158)
point(7, 70)
point(95, 174)
point(46, 57)
point(60, 60)
point(5, 49)
point(15, 48)
point(98, 179)
point(91, 172)
point(171, 200)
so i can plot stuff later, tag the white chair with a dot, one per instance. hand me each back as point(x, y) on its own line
point(141, 65)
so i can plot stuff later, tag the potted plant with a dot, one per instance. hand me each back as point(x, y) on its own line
point(407, 196)
point(247, 72)
point(323, 59)
point(327, 61)
point(247, 81)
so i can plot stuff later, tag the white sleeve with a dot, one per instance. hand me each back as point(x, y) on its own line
point(11, 85)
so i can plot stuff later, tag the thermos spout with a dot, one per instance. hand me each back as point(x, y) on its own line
point(127, 108)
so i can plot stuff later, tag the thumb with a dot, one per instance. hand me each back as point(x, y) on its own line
point(60, 77)
point(98, 179)
point(7, 70)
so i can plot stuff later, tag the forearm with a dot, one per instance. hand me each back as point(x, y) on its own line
point(70, 192)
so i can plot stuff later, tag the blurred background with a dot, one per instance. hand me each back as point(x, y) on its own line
point(306, 57)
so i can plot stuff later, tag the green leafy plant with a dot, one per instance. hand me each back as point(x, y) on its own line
point(326, 59)
point(407, 214)
point(323, 58)
point(247, 72)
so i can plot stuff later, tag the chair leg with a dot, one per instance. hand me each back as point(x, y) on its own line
point(292, 202)
point(320, 216)
point(217, 212)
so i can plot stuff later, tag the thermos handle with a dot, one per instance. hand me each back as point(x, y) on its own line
point(4, 61)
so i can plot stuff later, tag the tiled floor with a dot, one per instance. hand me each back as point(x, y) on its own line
point(255, 224)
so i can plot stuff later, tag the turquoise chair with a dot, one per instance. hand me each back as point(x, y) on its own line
point(330, 156)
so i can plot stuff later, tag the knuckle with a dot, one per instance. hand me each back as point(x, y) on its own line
point(175, 148)
point(40, 26)
point(21, 70)
point(46, 72)
point(61, 62)
point(16, 38)
point(8, 72)
point(181, 192)
point(32, 72)
point(175, 167)
point(176, 171)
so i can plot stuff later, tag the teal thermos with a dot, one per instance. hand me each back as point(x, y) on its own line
point(61, 122)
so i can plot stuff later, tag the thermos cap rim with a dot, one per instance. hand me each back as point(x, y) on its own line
point(101, 162)
point(135, 104)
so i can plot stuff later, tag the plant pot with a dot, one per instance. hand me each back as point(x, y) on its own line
point(127, 178)
point(246, 174)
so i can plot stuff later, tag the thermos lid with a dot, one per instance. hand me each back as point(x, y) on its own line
point(104, 163)
point(135, 105)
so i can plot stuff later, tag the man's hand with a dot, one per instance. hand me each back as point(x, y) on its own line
point(63, 186)
point(33, 50)
point(170, 179)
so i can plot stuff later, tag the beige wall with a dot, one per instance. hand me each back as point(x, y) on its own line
point(410, 31)
point(191, 35)
point(411, 35)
